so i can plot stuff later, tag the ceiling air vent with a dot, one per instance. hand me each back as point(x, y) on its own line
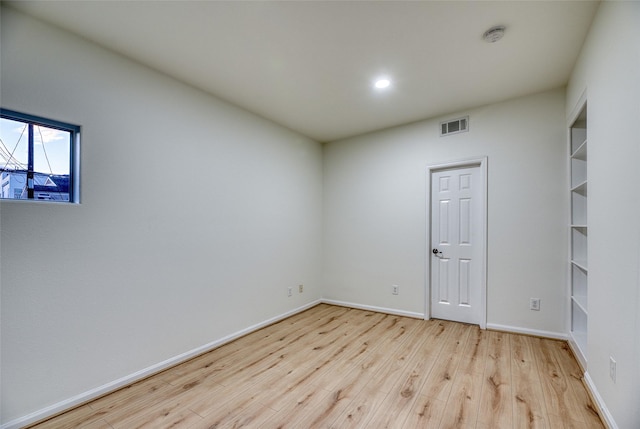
point(455, 126)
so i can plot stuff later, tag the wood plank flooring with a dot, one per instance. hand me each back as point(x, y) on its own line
point(333, 367)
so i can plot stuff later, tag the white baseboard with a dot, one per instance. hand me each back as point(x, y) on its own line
point(527, 331)
point(374, 308)
point(602, 408)
point(577, 353)
point(87, 396)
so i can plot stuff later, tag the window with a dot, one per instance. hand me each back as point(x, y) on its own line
point(38, 158)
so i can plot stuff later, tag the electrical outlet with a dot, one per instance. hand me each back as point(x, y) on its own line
point(534, 304)
point(612, 368)
point(300, 288)
point(395, 289)
point(289, 291)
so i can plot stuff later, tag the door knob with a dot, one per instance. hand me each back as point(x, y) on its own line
point(437, 252)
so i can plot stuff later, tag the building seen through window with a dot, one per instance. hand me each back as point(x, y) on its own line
point(37, 158)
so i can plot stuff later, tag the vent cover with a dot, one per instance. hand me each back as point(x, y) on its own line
point(455, 126)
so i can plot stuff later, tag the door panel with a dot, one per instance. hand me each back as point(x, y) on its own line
point(457, 200)
point(443, 281)
point(444, 223)
point(464, 268)
point(465, 221)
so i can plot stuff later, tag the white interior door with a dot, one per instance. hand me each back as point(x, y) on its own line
point(457, 244)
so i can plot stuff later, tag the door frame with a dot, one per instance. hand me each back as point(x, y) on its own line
point(465, 163)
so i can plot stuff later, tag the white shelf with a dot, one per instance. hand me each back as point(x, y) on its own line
point(578, 319)
point(582, 264)
point(581, 303)
point(578, 171)
point(578, 209)
point(580, 188)
point(578, 135)
point(581, 152)
point(579, 247)
point(579, 283)
point(578, 237)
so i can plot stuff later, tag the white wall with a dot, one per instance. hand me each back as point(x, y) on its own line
point(195, 218)
point(375, 210)
point(609, 69)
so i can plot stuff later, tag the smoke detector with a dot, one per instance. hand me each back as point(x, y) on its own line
point(494, 34)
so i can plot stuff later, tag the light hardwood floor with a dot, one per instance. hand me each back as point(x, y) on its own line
point(333, 367)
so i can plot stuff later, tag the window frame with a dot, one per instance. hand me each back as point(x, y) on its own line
point(74, 151)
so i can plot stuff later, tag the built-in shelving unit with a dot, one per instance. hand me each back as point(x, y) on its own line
point(579, 236)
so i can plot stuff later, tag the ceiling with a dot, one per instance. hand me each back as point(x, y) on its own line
point(310, 65)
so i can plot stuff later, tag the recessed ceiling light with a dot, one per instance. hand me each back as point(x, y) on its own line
point(382, 83)
point(494, 34)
